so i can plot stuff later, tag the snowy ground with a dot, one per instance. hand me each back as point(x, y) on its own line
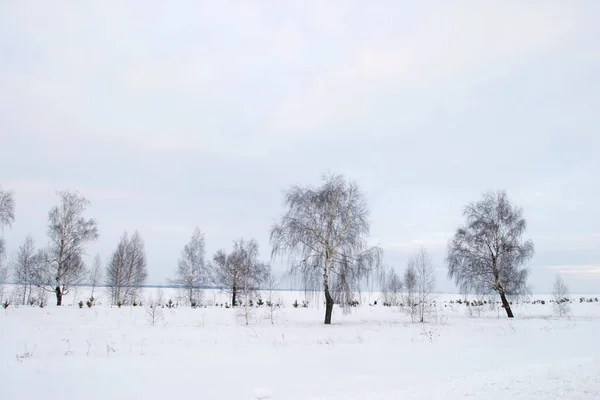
point(374, 353)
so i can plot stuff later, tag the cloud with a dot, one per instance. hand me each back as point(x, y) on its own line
point(37, 187)
point(414, 245)
point(454, 42)
point(578, 269)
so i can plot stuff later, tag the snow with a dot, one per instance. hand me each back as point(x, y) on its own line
point(373, 353)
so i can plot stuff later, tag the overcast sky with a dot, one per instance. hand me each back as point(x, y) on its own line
point(171, 115)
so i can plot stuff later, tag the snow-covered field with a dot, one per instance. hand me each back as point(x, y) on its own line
point(373, 353)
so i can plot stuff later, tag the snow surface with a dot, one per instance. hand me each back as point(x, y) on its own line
point(373, 353)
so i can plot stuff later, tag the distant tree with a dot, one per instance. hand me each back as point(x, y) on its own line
point(239, 273)
point(7, 217)
point(410, 287)
point(3, 279)
point(253, 274)
point(391, 287)
point(126, 271)
point(95, 273)
point(425, 281)
point(154, 307)
point(69, 232)
point(273, 303)
point(324, 236)
point(25, 264)
point(116, 280)
point(560, 292)
point(7, 214)
point(137, 266)
point(487, 254)
point(192, 269)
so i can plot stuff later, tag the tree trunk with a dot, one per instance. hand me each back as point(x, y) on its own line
point(59, 296)
point(506, 305)
point(328, 306)
point(233, 297)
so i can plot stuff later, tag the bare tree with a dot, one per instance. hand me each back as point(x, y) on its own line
point(95, 274)
point(391, 288)
point(560, 292)
point(487, 253)
point(115, 272)
point(253, 273)
point(137, 271)
point(7, 217)
point(240, 273)
point(192, 270)
point(410, 286)
point(225, 274)
point(3, 279)
point(324, 236)
point(154, 307)
point(425, 281)
point(273, 303)
point(69, 232)
point(127, 270)
point(25, 264)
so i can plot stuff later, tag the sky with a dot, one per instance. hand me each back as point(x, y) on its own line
point(172, 115)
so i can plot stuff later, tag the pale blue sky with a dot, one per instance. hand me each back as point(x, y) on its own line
point(168, 115)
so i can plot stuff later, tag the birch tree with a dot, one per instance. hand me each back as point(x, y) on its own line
point(559, 295)
point(69, 233)
point(7, 217)
point(410, 286)
point(425, 281)
point(391, 288)
point(126, 271)
point(95, 274)
point(324, 235)
point(25, 264)
point(488, 254)
point(240, 273)
point(192, 270)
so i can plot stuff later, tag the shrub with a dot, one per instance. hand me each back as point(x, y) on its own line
point(90, 302)
point(260, 302)
point(80, 304)
point(295, 304)
point(5, 304)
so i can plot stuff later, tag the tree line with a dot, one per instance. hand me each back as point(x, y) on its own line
point(322, 235)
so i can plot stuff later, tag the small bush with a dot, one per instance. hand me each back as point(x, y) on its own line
point(5, 304)
point(295, 304)
point(90, 302)
point(80, 304)
point(170, 304)
point(260, 302)
point(135, 304)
